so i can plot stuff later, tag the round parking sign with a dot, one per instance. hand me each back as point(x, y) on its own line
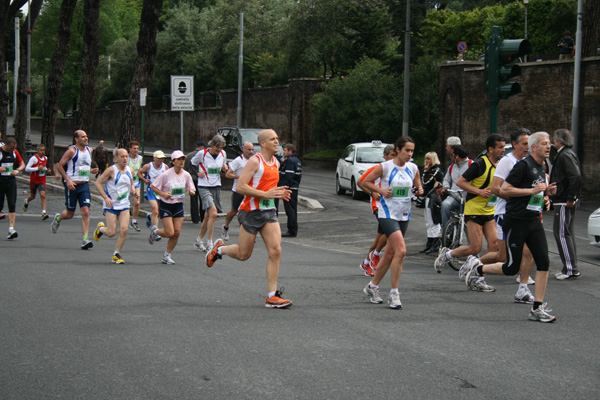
point(462, 47)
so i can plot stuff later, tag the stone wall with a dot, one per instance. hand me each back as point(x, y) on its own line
point(545, 104)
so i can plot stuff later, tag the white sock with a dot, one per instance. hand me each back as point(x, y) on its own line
point(43, 211)
point(373, 286)
point(393, 291)
point(167, 254)
point(271, 294)
point(448, 254)
point(115, 253)
point(25, 201)
point(219, 250)
point(522, 286)
point(10, 229)
point(375, 252)
point(366, 262)
point(133, 221)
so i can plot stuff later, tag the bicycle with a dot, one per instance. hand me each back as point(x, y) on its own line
point(454, 231)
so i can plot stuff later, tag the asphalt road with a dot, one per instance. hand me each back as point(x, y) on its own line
point(73, 325)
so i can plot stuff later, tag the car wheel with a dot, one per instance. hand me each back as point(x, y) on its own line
point(355, 193)
point(338, 188)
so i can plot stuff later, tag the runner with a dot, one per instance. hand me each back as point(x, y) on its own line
point(258, 183)
point(135, 163)
point(211, 162)
point(171, 188)
point(37, 168)
point(369, 264)
point(398, 177)
point(77, 160)
point(525, 187)
point(148, 173)
point(115, 185)
point(11, 164)
point(234, 171)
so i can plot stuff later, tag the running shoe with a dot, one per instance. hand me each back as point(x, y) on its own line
point(277, 301)
point(97, 233)
point(116, 259)
point(542, 314)
point(25, 206)
point(565, 277)
point(12, 235)
point(374, 260)
point(441, 260)
point(148, 221)
point(394, 301)
point(212, 256)
point(529, 281)
point(2, 216)
point(44, 216)
point(477, 283)
point(524, 296)
point(225, 233)
point(209, 245)
point(135, 226)
point(152, 235)
point(199, 245)
point(86, 245)
point(373, 294)
point(472, 262)
point(55, 223)
point(366, 268)
point(157, 237)
point(167, 259)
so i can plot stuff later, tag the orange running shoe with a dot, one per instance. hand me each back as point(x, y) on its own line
point(374, 260)
point(277, 302)
point(213, 255)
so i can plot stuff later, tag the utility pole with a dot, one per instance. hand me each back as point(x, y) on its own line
point(577, 77)
point(405, 110)
point(240, 72)
point(16, 68)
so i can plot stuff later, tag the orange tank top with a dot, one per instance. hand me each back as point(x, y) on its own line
point(265, 179)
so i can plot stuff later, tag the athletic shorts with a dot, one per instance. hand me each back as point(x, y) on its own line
point(167, 210)
point(379, 228)
point(389, 226)
point(34, 187)
point(499, 231)
point(80, 195)
point(150, 195)
point(253, 221)
point(8, 189)
point(210, 197)
point(116, 212)
point(236, 200)
point(479, 219)
point(137, 184)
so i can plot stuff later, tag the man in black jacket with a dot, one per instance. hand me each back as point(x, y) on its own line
point(195, 202)
point(290, 174)
point(566, 173)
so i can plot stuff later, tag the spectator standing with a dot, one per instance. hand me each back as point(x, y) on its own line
point(290, 174)
point(196, 210)
point(566, 45)
point(101, 157)
point(460, 163)
point(432, 178)
point(566, 173)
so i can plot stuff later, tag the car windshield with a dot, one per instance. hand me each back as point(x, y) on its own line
point(250, 136)
point(369, 155)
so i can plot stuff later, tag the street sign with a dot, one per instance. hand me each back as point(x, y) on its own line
point(182, 93)
point(143, 97)
point(462, 47)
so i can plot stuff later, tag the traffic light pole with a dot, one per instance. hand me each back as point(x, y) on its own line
point(493, 78)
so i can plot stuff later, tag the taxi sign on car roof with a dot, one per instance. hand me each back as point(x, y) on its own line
point(376, 142)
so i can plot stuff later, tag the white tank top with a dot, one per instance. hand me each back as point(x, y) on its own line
point(118, 188)
point(153, 172)
point(400, 179)
point(78, 167)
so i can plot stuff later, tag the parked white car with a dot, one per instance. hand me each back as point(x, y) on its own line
point(594, 228)
point(356, 159)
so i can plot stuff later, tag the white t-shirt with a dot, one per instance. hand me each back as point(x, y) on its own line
point(176, 184)
point(400, 179)
point(503, 168)
point(211, 166)
point(237, 165)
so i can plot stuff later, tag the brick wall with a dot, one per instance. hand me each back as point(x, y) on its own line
point(545, 104)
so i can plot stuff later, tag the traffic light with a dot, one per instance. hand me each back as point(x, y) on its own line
point(509, 52)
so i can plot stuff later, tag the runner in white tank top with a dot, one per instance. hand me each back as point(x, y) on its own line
point(148, 174)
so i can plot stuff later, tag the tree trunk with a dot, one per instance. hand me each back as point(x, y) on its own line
point(55, 80)
point(144, 66)
point(89, 69)
point(21, 114)
point(7, 12)
point(591, 28)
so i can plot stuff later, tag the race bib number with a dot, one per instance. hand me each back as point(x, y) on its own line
point(178, 191)
point(9, 168)
point(266, 204)
point(536, 203)
point(214, 171)
point(84, 172)
point(136, 178)
point(401, 191)
point(492, 201)
point(42, 172)
point(122, 195)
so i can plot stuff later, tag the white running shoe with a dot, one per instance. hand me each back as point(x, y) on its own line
point(441, 260)
point(471, 263)
point(225, 233)
point(394, 301)
point(542, 314)
point(167, 259)
point(373, 294)
point(55, 223)
point(524, 296)
point(529, 281)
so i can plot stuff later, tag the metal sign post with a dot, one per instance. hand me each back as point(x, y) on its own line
point(182, 97)
point(143, 105)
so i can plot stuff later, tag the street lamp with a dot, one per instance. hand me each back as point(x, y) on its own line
point(526, 2)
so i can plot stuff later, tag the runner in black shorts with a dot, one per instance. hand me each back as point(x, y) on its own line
point(526, 187)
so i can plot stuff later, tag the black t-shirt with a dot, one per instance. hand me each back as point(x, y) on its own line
point(526, 174)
